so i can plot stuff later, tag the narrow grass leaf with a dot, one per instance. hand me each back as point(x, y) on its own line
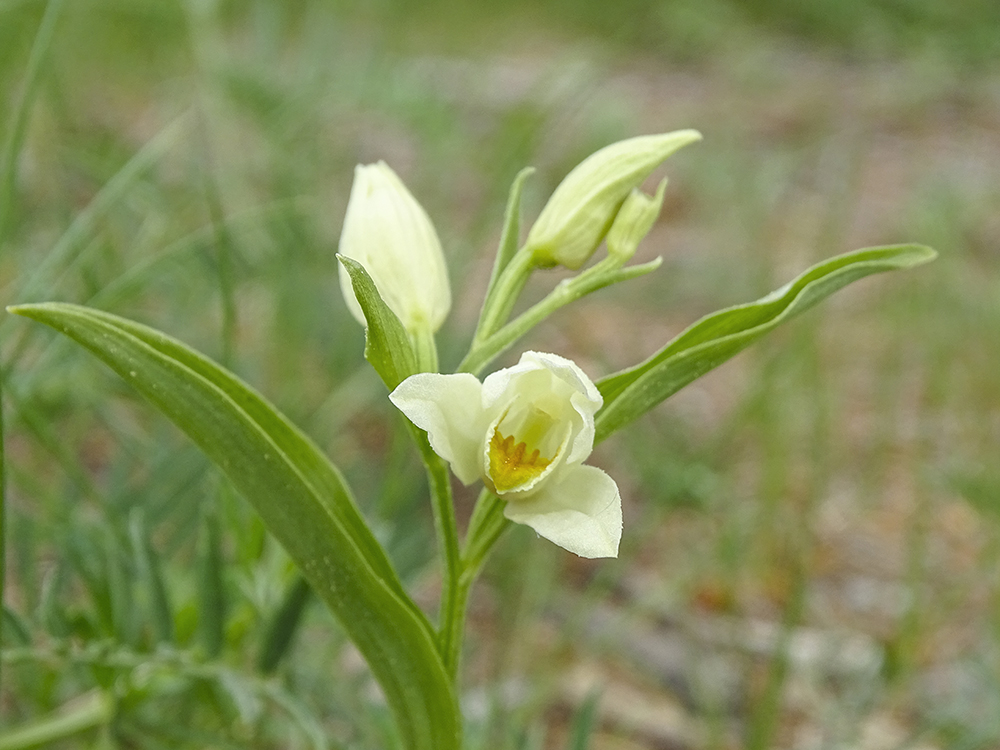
point(242, 694)
point(14, 627)
point(51, 613)
point(387, 345)
point(46, 274)
point(8, 179)
point(308, 724)
point(119, 582)
point(716, 338)
point(981, 489)
point(151, 580)
point(584, 722)
point(85, 561)
point(284, 624)
point(22, 113)
point(211, 586)
point(300, 496)
point(81, 715)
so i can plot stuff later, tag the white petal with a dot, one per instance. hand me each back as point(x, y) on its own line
point(450, 408)
point(585, 402)
point(352, 237)
point(569, 371)
point(497, 387)
point(582, 513)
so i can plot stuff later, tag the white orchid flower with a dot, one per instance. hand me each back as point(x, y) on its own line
point(388, 232)
point(525, 431)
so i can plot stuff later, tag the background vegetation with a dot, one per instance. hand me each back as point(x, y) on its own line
point(811, 550)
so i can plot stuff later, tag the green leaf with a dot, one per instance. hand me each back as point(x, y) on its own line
point(387, 345)
point(211, 585)
point(302, 499)
point(585, 722)
point(981, 489)
point(714, 339)
point(283, 625)
point(79, 715)
point(15, 629)
point(151, 579)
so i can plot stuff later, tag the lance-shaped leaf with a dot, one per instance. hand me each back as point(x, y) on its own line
point(302, 499)
point(712, 340)
point(387, 345)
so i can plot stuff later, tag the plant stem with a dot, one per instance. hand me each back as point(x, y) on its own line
point(608, 271)
point(446, 528)
point(425, 349)
point(91, 711)
point(503, 296)
point(486, 527)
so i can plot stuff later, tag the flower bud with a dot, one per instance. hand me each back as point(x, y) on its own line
point(583, 206)
point(633, 221)
point(390, 234)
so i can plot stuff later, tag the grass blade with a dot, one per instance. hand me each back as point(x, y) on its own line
point(151, 577)
point(22, 112)
point(45, 275)
point(211, 587)
point(284, 624)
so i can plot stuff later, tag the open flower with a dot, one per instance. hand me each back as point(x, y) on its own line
point(525, 431)
point(390, 234)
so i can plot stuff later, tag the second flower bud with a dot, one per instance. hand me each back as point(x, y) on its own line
point(584, 205)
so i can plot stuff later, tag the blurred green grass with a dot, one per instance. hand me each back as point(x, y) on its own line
point(188, 164)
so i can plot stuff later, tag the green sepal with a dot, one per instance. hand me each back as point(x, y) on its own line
point(302, 499)
point(387, 345)
point(714, 339)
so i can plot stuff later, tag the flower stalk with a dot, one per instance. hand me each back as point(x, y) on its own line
point(604, 273)
point(451, 615)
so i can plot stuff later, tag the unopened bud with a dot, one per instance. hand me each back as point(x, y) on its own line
point(633, 221)
point(390, 234)
point(583, 206)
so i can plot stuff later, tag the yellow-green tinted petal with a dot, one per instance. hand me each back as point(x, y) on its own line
point(449, 408)
point(580, 511)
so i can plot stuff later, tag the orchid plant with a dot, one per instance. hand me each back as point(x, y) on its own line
point(524, 432)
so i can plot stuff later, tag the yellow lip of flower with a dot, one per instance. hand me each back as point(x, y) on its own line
point(512, 466)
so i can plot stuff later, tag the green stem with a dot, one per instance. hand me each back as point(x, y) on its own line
point(223, 246)
point(608, 271)
point(486, 527)
point(425, 349)
point(93, 710)
point(502, 297)
point(446, 528)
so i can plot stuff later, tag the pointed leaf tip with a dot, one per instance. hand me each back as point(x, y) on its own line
point(718, 337)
